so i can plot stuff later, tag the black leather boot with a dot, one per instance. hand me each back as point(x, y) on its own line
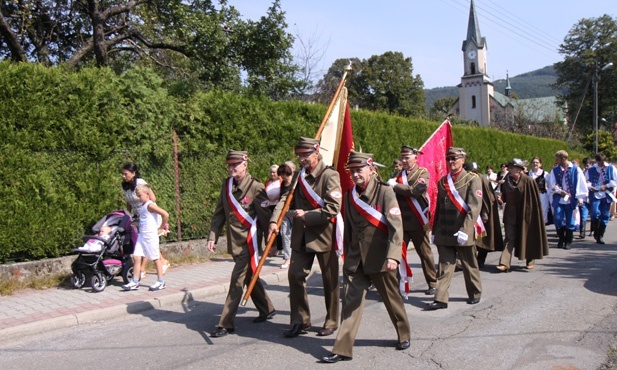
point(582, 230)
point(594, 226)
point(568, 239)
point(561, 235)
point(600, 233)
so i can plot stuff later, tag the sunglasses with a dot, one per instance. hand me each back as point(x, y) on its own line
point(305, 155)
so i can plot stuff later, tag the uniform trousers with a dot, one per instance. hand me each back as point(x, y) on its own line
point(355, 285)
point(447, 264)
point(510, 242)
point(422, 245)
point(299, 268)
point(241, 276)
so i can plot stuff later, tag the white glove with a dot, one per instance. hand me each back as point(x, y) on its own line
point(391, 182)
point(461, 237)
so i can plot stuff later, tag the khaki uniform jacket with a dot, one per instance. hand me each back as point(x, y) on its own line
point(417, 180)
point(448, 220)
point(251, 194)
point(366, 244)
point(317, 229)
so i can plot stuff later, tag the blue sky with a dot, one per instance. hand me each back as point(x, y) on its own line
point(522, 35)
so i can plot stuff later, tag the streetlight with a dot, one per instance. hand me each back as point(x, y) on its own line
point(596, 77)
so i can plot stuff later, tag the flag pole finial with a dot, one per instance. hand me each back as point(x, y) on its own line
point(348, 67)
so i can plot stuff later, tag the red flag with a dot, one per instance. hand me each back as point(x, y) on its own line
point(434, 159)
point(345, 147)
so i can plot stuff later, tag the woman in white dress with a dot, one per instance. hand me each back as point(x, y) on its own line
point(131, 178)
point(540, 176)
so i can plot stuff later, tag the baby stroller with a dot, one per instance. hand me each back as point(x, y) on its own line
point(106, 254)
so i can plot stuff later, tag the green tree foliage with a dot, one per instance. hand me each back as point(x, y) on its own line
point(441, 107)
point(605, 144)
point(194, 44)
point(589, 46)
point(381, 83)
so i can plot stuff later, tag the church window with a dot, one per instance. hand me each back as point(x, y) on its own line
point(473, 68)
point(473, 102)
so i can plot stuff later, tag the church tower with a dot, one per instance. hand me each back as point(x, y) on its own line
point(476, 88)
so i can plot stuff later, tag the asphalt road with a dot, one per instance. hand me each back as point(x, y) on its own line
point(561, 315)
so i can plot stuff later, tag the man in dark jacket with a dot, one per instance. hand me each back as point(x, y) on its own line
point(522, 218)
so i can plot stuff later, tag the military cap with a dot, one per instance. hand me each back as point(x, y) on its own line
point(357, 159)
point(456, 152)
point(407, 148)
point(470, 166)
point(236, 156)
point(517, 162)
point(307, 143)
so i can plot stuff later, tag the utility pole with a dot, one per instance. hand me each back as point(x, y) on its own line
point(596, 78)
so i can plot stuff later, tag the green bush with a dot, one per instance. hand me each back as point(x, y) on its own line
point(67, 133)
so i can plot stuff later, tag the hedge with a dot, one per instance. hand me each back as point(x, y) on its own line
point(66, 134)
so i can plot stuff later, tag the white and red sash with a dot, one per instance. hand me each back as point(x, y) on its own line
point(460, 204)
point(248, 222)
point(317, 202)
point(406, 274)
point(421, 214)
point(378, 220)
point(373, 216)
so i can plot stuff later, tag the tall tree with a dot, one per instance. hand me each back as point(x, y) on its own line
point(588, 47)
point(381, 83)
point(204, 40)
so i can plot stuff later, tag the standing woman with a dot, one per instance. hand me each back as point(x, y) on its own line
point(131, 178)
point(273, 191)
point(539, 175)
point(285, 172)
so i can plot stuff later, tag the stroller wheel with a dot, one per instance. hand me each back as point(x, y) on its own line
point(78, 279)
point(98, 282)
point(127, 272)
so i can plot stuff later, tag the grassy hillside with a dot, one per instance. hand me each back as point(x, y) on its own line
point(532, 84)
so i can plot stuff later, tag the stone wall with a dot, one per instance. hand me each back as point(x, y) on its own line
point(47, 267)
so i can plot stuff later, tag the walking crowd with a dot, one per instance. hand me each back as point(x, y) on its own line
point(381, 218)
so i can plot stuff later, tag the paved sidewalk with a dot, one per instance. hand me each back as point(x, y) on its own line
point(32, 311)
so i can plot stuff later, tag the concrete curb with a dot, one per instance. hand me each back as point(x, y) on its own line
point(122, 310)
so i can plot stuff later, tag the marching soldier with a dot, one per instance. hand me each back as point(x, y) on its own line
point(243, 206)
point(456, 227)
point(372, 240)
point(410, 185)
point(316, 204)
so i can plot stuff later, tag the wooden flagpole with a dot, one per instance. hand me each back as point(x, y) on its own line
point(290, 195)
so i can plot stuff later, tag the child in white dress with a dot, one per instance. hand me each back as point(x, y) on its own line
point(152, 223)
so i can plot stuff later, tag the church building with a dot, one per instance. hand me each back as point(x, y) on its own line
point(477, 99)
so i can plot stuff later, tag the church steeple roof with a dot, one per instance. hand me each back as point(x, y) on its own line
point(473, 29)
point(508, 87)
